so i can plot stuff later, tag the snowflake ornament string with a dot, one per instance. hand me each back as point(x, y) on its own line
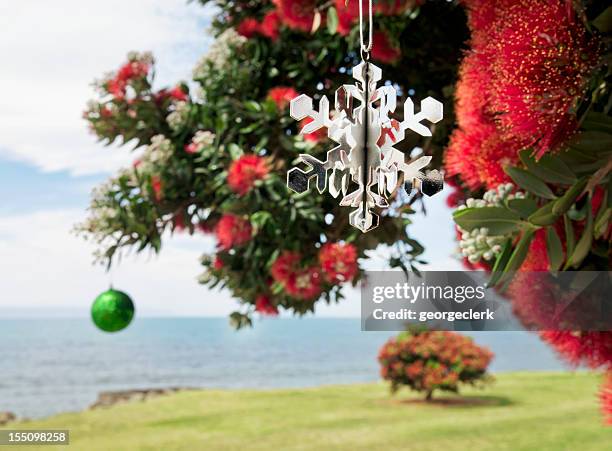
point(366, 168)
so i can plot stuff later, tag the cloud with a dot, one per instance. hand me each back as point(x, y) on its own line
point(52, 51)
point(49, 272)
point(46, 267)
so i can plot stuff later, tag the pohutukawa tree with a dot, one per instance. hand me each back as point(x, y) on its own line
point(430, 361)
point(531, 156)
point(215, 151)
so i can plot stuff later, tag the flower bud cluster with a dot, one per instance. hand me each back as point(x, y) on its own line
point(157, 154)
point(178, 118)
point(478, 244)
point(219, 53)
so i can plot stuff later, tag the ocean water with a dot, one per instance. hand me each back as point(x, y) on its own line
point(49, 366)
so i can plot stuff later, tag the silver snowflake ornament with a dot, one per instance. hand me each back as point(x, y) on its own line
point(364, 167)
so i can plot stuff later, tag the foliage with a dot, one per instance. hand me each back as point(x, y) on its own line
point(534, 109)
point(437, 360)
point(555, 133)
point(215, 151)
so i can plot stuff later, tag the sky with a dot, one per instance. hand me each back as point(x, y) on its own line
point(50, 53)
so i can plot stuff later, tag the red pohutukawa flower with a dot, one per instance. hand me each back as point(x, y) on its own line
point(383, 50)
point(517, 86)
point(284, 265)
point(593, 349)
point(314, 137)
point(605, 396)
point(481, 16)
point(248, 28)
point(156, 185)
point(232, 230)
point(129, 71)
point(544, 57)
point(297, 281)
point(304, 284)
point(338, 262)
point(116, 88)
point(349, 13)
point(177, 93)
point(472, 93)
point(478, 155)
point(245, 171)
point(270, 25)
point(264, 306)
point(133, 69)
point(218, 264)
point(282, 95)
point(179, 223)
point(455, 198)
point(297, 14)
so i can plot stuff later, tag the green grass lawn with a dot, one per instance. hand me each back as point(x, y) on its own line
point(520, 411)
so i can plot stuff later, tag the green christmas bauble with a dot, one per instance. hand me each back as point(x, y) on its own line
point(112, 311)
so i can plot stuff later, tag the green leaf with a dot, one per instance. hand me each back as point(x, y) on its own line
point(544, 216)
point(500, 263)
point(260, 218)
point(578, 214)
point(277, 288)
point(517, 258)
point(332, 20)
point(564, 203)
point(554, 249)
point(597, 122)
point(529, 182)
point(551, 169)
point(252, 106)
point(570, 239)
point(576, 158)
point(603, 22)
point(239, 320)
point(602, 221)
point(610, 192)
point(584, 243)
point(498, 220)
point(250, 128)
point(524, 207)
point(603, 217)
point(261, 144)
point(592, 142)
point(235, 151)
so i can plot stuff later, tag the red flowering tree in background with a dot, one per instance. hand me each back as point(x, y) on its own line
point(213, 153)
point(429, 361)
